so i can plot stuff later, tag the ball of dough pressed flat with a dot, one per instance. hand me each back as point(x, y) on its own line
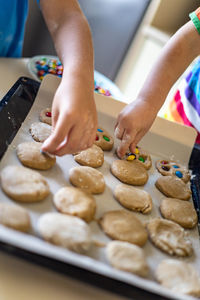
point(91, 157)
point(133, 198)
point(179, 211)
point(66, 231)
point(44, 118)
point(75, 202)
point(15, 217)
point(179, 276)
point(104, 140)
point(173, 187)
point(127, 257)
point(129, 172)
point(169, 237)
point(124, 226)
point(23, 184)
point(40, 131)
point(30, 155)
point(88, 179)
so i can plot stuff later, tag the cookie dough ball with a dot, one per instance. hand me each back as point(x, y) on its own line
point(127, 257)
point(91, 157)
point(45, 116)
point(66, 231)
point(15, 217)
point(179, 276)
point(169, 167)
point(179, 211)
point(133, 198)
point(124, 226)
point(88, 179)
point(173, 187)
point(40, 131)
point(103, 139)
point(141, 156)
point(129, 172)
point(169, 237)
point(30, 155)
point(23, 184)
point(75, 202)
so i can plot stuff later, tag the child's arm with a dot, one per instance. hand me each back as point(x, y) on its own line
point(73, 110)
point(136, 118)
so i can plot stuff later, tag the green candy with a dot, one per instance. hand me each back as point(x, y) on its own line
point(106, 138)
point(141, 159)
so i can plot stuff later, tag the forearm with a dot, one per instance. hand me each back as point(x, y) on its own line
point(72, 40)
point(178, 53)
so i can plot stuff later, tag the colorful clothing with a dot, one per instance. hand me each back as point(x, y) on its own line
point(185, 105)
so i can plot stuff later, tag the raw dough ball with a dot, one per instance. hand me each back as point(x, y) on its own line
point(133, 198)
point(45, 116)
point(103, 139)
point(66, 231)
point(75, 202)
point(124, 226)
point(179, 276)
point(169, 167)
point(23, 184)
point(15, 217)
point(173, 187)
point(141, 156)
point(91, 157)
point(169, 237)
point(179, 211)
point(88, 179)
point(129, 172)
point(40, 131)
point(127, 257)
point(30, 155)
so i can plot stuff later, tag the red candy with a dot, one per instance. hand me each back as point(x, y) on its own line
point(48, 114)
point(97, 138)
point(164, 162)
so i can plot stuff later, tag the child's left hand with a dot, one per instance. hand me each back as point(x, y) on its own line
point(132, 124)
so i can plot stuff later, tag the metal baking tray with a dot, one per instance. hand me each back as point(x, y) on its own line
point(165, 140)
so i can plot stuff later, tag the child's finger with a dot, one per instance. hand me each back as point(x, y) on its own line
point(76, 141)
point(119, 131)
point(125, 143)
point(58, 135)
point(135, 141)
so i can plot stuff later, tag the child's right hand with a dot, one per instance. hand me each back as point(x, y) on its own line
point(132, 124)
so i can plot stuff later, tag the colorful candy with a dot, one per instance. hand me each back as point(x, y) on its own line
point(106, 138)
point(175, 167)
point(136, 151)
point(131, 157)
point(164, 162)
point(100, 130)
point(53, 66)
point(141, 159)
point(178, 174)
point(48, 114)
point(165, 168)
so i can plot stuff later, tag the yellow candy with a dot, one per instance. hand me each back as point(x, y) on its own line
point(102, 91)
point(137, 151)
point(131, 157)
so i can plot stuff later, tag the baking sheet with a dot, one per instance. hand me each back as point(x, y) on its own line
point(165, 140)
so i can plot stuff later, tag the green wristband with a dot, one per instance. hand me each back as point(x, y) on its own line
point(195, 21)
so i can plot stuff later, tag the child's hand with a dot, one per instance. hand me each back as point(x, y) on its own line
point(74, 121)
point(132, 124)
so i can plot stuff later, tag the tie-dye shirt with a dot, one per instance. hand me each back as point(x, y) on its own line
point(184, 107)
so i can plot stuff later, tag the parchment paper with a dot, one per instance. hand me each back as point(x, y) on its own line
point(159, 143)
